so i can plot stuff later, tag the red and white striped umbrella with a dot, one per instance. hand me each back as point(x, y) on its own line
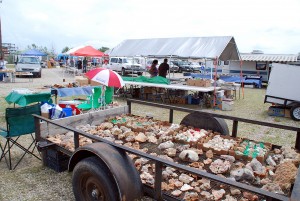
point(106, 77)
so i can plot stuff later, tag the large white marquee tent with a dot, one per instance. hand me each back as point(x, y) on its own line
point(221, 47)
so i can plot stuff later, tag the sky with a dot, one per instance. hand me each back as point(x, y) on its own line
point(268, 25)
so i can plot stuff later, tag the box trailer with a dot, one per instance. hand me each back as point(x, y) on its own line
point(283, 89)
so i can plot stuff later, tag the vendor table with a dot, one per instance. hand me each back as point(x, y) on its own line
point(170, 87)
point(173, 86)
point(25, 99)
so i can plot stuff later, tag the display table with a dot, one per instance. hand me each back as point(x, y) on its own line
point(173, 86)
point(164, 91)
point(25, 99)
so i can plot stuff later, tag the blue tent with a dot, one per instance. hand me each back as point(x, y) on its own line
point(33, 52)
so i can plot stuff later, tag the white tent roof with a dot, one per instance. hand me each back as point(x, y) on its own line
point(223, 47)
point(74, 49)
point(269, 57)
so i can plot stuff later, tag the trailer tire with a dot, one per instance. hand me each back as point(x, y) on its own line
point(207, 122)
point(295, 112)
point(92, 180)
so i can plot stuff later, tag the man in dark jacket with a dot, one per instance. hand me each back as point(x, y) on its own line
point(163, 68)
point(79, 64)
point(84, 65)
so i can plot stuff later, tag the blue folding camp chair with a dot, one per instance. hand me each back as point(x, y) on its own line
point(19, 122)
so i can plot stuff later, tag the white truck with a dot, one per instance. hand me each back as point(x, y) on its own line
point(29, 64)
point(283, 89)
point(125, 65)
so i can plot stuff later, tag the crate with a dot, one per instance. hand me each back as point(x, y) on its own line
point(276, 111)
point(227, 105)
point(56, 160)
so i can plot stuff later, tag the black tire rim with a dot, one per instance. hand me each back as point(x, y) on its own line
point(91, 188)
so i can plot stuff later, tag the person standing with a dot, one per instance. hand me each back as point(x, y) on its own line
point(153, 69)
point(2, 67)
point(163, 68)
point(84, 65)
point(79, 64)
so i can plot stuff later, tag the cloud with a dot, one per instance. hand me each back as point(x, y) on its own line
point(267, 25)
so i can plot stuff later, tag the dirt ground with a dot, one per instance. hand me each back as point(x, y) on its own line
point(32, 181)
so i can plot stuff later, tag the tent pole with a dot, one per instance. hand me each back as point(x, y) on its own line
point(215, 80)
point(241, 77)
point(169, 69)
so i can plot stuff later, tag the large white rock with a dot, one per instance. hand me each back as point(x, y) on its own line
point(189, 155)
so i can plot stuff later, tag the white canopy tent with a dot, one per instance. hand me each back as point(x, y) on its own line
point(222, 47)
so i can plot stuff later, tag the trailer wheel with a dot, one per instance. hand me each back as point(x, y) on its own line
point(92, 181)
point(207, 122)
point(295, 112)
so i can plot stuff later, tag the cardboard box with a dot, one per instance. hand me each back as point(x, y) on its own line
point(82, 81)
point(93, 83)
point(287, 113)
point(190, 82)
point(44, 114)
point(227, 93)
point(202, 83)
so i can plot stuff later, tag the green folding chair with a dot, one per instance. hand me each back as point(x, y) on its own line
point(19, 122)
point(93, 102)
point(109, 92)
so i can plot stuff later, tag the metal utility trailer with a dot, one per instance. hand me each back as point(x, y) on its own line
point(103, 171)
point(283, 88)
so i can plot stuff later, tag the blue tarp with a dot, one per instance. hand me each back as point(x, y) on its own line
point(33, 52)
point(256, 82)
point(75, 91)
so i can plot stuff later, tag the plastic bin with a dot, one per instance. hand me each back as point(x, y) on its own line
point(68, 111)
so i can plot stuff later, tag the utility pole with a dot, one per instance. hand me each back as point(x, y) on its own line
point(1, 51)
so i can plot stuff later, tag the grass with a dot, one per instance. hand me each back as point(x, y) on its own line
point(32, 181)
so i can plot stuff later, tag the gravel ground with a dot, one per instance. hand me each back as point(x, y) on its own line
point(32, 181)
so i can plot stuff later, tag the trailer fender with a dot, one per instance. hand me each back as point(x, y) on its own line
point(118, 163)
point(207, 122)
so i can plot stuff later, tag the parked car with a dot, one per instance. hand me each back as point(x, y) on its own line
point(29, 64)
point(183, 66)
point(195, 67)
point(125, 65)
point(173, 67)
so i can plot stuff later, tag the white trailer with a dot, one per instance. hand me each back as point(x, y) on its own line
point(283, 88)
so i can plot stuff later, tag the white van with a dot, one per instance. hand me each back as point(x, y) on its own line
point(29, 64)
point(125, 65)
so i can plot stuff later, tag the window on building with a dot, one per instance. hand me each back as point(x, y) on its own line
point(261, 65)
point(226, 62)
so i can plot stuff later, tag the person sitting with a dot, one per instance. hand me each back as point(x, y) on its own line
point(153, 69)
point(163, 68)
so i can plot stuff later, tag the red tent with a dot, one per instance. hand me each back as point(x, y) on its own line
point(88, 51)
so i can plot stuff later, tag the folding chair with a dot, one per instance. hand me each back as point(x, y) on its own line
point(93, 102)
point(109, 92)
point(19, 122)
